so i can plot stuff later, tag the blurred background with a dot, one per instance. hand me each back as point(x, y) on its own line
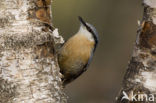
point(116, 22)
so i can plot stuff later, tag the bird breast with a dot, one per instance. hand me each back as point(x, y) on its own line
point(75, 54)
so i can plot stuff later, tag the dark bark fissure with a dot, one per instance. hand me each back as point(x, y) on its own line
point(140, 74)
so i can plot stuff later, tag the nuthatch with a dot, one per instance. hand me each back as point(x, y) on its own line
point(76, 54)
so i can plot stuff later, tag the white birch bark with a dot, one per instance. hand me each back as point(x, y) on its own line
point(140, 77)
point(29, 72)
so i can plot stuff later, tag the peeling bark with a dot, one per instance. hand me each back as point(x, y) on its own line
point(29, 72)
point(140, 77)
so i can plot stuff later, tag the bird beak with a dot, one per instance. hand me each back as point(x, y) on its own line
point(82, 21)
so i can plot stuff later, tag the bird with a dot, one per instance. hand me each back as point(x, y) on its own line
point(76, 53)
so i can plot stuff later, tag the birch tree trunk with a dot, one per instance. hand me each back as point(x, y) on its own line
point(29, 72)
point(139, 83)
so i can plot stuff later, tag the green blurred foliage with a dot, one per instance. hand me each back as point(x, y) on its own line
point(116, 22)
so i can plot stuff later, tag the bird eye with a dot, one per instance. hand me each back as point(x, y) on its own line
point(89, 29)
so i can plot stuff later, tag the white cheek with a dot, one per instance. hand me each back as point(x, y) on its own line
point(86, 33)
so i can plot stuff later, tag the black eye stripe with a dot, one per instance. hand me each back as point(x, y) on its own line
point(82, 21)
point(89, 29)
